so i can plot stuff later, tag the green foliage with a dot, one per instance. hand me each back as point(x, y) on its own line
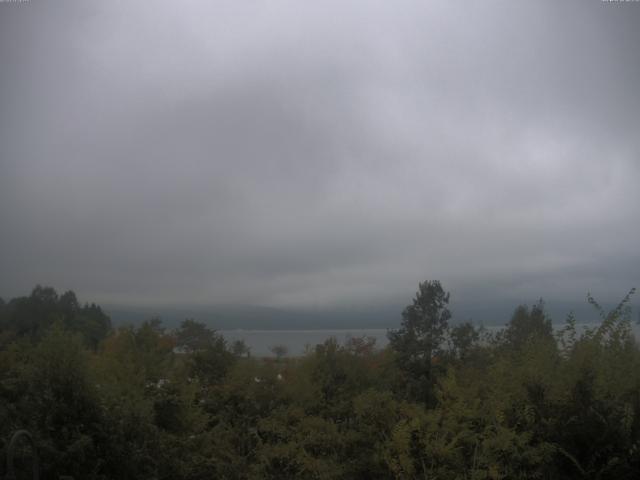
point(420, 339)
point(32, 316)
point(528, 325)
point(194, 335)
point(48, 390)
point(280, 351)
point(464, 339)
point(240, 349)
point(209, 357)
point(135, 405)
point(209, 365)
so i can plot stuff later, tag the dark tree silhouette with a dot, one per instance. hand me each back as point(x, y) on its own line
point(419, 339)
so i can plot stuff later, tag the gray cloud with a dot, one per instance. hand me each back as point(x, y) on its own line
point(288, 154)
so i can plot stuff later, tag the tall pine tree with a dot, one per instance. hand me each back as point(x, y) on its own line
point(419, 339)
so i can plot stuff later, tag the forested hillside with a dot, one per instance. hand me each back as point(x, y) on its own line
point(440, 402)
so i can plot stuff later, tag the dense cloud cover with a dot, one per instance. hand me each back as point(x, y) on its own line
point(318, 154)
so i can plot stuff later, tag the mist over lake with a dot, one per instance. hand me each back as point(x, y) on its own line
point(299, 342)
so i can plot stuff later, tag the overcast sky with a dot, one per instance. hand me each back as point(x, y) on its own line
point(319, 154)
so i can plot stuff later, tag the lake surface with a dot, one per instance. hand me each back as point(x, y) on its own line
point(297, 341)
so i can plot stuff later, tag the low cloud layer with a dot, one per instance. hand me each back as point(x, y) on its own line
point(319, 154)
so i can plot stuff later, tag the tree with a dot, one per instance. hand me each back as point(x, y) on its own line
point(194, 335)
point(62, 404)
point(463, 338)
point(32, 316)
point(527, 326)
point(419, 339)
point(211, 364)
point(240, 349)
point(89, 320)
point(280, 351)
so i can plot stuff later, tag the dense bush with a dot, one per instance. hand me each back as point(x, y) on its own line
point(440, 402)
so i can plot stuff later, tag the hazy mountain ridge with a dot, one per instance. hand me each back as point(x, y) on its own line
point(388, 316)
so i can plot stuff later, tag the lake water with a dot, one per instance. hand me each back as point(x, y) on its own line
point(296, 341)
